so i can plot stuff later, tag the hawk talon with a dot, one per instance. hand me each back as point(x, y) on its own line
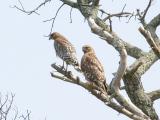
point(68, 74)
point(62, 67)
point(100, 93)
point(78, 80)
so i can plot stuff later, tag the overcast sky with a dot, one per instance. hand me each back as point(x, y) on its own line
point(26, 56)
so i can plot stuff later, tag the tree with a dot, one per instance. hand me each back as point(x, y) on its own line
point(9, 111)
point(141, 105)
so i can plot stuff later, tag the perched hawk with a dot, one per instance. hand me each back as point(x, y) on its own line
point(92, 68)
point(65, 50)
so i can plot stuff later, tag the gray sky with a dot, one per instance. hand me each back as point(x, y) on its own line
point(26, 57)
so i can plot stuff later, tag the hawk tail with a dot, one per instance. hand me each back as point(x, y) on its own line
point(103, 85)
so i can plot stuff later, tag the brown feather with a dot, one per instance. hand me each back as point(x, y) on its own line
point(92, 68)
point(65, 50)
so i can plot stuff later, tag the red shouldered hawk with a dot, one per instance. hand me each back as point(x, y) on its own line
point(92, 68)
point(65, 50)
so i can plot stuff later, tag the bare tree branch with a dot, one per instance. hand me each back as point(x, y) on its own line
point(27, 116)
point(54, 18)
point(70, 15)
point(143, 64)
point(154, 95)
point(70, 3)
point(32, 11)
point(114, 40)
point(7, 110)
point(16, 114)
point(146, 10)
point(98, 30)
point(142, 17)
point(134, 87)
point(134, 67)
point(115, 84)
point(68, 77)
point(150, 41)
point(155, 22)
point(119, 15)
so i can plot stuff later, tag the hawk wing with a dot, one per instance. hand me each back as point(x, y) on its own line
point(66, 44)
point(66, 51)
point(92, 68)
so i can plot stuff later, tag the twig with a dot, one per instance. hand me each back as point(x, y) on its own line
point(142, 15)
point(70, 15)
point(123, 7)
point(110, 24)
point(146, 10)
point(27, 116)
point(119, 15)
point(32, 11)
point(21, 4)
point(16, 114)
point(10, 105)
point(54, 18)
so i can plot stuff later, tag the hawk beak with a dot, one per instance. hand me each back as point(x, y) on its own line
point(83, 49)
point(50, 38)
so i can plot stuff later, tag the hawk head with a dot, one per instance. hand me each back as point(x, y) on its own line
point(54, 35)
point(87, 48)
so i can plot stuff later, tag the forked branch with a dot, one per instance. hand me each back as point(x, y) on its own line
point(8, 111)
point(115, 86)
point(120, 72)
point(32, 11)
point(67, 76)
point(142, 15)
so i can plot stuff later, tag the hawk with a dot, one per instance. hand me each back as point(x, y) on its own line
point(64, 50)
point(92, 68)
